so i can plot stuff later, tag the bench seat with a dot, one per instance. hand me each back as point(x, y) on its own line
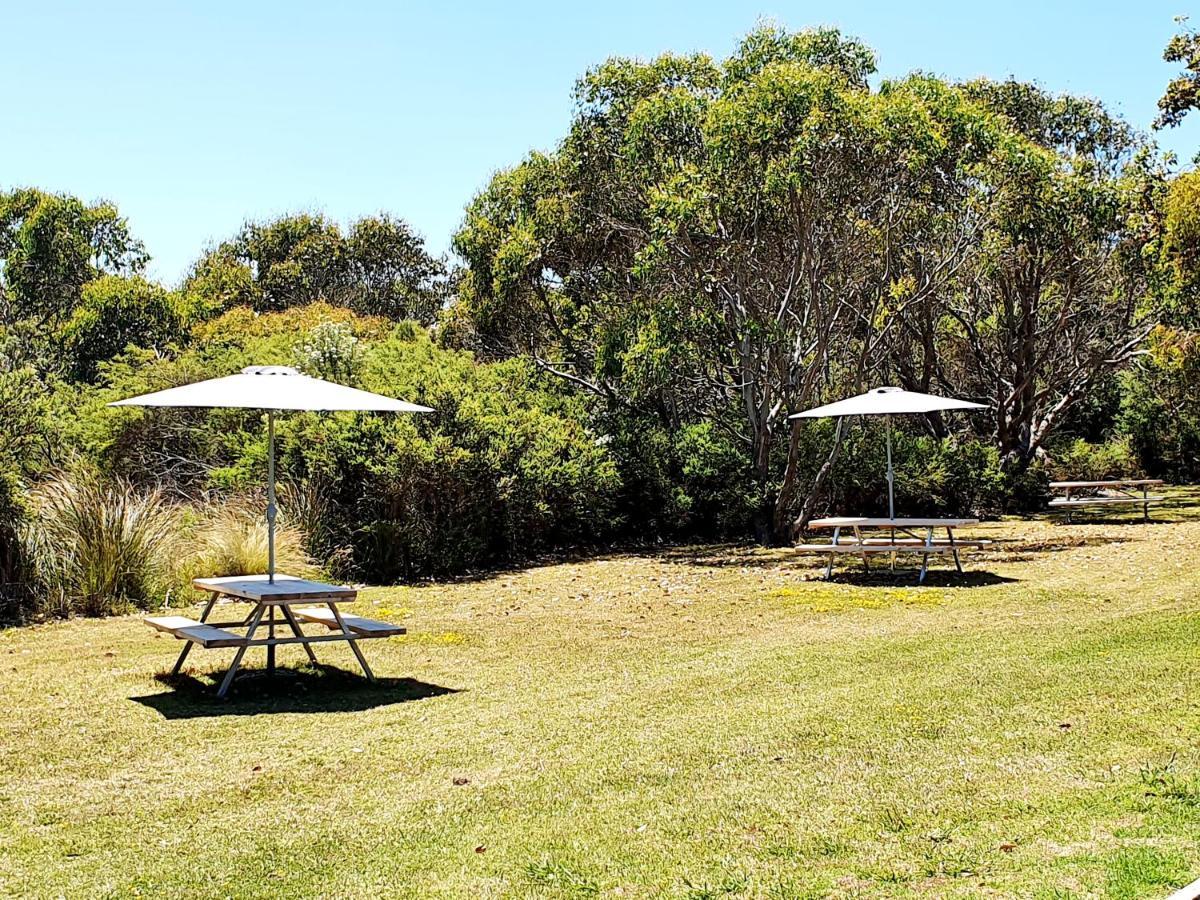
point(362, 627)
point(197, 632)
point(959, 543)
point(1103, 501)
point(869, 548)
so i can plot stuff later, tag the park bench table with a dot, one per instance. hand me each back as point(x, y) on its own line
point(1117, 491)
point(904, 536)
point(279, 603)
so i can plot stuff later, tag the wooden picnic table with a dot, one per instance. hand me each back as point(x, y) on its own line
point(1119, 491)
point(905, 536)
point(278, 603)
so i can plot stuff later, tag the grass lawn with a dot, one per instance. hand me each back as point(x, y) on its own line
point(699, 722)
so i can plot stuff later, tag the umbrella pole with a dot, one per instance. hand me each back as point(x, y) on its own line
point(270, 497)
point(891, 474)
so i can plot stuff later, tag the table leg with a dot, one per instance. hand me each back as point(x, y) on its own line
point(829, 567)
point(271, 636)
point(255, 617)
point(291, 619)
point(858, 537)
point(1145, 503)
point(353, 641)
point(925, 556)
point(187, 645)
point(957, 561)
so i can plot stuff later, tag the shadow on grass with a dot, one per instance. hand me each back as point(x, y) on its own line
point(312, 689)
point(906, 577)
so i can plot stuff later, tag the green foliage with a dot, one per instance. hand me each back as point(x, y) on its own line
point(380, 267)
point(1081, 460)
point(230, 538)
point(506, 467)
point(1183, 91)
point(114, 312)
point(53, 244)
point(1160, 410)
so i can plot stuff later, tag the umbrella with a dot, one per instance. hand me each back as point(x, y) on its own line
point(272, 388)
point(886, 402)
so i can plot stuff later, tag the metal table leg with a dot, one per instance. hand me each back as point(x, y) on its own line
point(957, 561)
point(271, 636)
point(291, 620)
point(925, 556)
point(353, 641)
point(255, 617)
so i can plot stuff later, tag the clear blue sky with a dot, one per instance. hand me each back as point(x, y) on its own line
point(193, 117)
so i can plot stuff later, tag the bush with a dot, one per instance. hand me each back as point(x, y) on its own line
point(1160, 408)
point(113, 313)
point(507, 466)
point(99, 547)
point(1080, 460)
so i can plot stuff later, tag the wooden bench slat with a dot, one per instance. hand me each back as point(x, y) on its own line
point(1103, 501)
point(190, 630)
point(861, 549)
point(357, 624)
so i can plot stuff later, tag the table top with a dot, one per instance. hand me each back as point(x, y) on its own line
point(1119, 482)
point(285, 589)
point(886, 523)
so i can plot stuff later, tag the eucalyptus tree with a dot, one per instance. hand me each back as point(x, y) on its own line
point(1052, 298)
point(379, 267)
point(51, 245)
point(720, 240)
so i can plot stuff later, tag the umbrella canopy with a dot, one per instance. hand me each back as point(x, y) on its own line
point(272, 388)
point(887, 402)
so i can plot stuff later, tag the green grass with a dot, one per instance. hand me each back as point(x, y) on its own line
point(709, 722)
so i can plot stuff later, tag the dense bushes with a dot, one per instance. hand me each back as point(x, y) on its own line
point(505, 468)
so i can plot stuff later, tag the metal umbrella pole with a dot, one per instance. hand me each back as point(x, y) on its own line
point(270, 497)
point(891, 476)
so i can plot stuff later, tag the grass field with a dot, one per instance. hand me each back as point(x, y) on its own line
point(699, 722)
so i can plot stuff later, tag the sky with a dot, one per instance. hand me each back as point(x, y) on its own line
point(196, 116)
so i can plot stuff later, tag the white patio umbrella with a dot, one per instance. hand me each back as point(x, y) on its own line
point(272, 388)
point(886, 402)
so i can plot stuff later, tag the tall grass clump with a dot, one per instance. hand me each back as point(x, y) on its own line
point(232, 540)
point(99, 546)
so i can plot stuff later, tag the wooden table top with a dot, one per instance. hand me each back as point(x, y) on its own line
point(1118, 482)
point(285, 589)
point(886, 523)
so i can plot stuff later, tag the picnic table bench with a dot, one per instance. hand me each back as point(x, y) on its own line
point(1117, 491)
point(277, 603)
point(903, 537)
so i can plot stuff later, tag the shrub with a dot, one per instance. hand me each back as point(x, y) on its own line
point(1080, 460)
point(114, 312)
point(1160, 408)
point(98, 547)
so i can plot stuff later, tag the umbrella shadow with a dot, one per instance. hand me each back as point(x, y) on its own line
point(311, 689)
point(906, 577)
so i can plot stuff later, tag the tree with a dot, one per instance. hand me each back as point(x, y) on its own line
point(53, 244)
point(1183, 91)
point(114, 313)
point(721, 242)
point(1051, 299)
point(379, 268)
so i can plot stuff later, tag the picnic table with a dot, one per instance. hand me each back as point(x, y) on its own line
point(904, 535)
point(1118, 491)
point(285, 602)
